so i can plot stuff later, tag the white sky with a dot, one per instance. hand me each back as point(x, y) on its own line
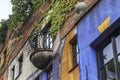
point(5, 9)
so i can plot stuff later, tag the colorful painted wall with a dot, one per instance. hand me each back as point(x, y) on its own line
point(88, 32)
point(68, 72)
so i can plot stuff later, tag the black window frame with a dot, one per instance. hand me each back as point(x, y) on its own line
point(114, 59)
point(74, 46)
point(20, 60)
point(13, 72)
point(103, 40)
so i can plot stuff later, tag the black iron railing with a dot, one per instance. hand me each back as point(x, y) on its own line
point(41, 41)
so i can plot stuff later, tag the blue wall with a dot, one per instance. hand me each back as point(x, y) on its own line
point(55, 69)
point(88, 32)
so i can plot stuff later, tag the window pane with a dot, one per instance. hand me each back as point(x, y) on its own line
point(118, 43)
point(74, 52)
point(119, 63)
point(107, 53)
point(108, 72)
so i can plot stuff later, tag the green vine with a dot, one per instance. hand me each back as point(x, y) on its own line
point(59, 14)
point(22, 10)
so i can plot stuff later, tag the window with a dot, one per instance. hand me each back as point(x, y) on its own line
point(47, 39)
point(74, 51)
point(107, 46)
point(20, 60)
point(42, 39)
point(13, 72)
point(110, 60)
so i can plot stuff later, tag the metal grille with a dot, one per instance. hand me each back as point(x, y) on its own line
point(41, 41)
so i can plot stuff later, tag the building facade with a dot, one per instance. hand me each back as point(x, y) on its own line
point(95, 43)
point(86, 46)
point(70, 56)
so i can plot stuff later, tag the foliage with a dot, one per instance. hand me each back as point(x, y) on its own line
point(36, 4)
point(59, 14)
point(12, 22)
point(21, 10)
point(3, 30)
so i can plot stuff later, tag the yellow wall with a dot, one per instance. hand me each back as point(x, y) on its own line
point(66, 64)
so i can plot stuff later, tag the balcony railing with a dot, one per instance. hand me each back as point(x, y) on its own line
point(41, 41)
point(42, 44)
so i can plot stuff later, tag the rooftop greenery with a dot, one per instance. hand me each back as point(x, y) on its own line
point(22, 10)
point(3, 30)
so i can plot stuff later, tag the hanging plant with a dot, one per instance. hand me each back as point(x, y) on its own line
point(58, 14)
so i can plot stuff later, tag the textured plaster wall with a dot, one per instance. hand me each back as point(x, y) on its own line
point(27, 69)
point(88, 32)
point(29, 72)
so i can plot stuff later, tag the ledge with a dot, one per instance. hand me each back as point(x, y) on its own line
point(113, 29)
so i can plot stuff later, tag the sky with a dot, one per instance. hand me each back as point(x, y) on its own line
point(5, 9)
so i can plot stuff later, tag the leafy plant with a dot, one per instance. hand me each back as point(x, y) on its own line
point(3, 30)
point(21, 10)
point(59, 14)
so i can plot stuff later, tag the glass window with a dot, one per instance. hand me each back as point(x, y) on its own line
point(47, 41)
point(107, 53)
point(110, 60)
point(118, 43)
point(74, 52)
point(42, 39)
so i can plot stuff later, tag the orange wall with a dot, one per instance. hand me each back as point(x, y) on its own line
point(66, 64)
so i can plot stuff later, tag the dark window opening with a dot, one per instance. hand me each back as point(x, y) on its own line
point(47, 39)
point(74, 51)
point(20, 60)
point(13, 72)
